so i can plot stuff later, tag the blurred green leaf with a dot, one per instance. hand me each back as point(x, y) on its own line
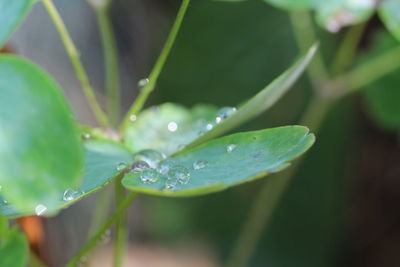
point(14, 249)
point(291, 4)
point(226, 162)
point(102, 159)
point(261, 101)
point(40, 148)
point(383, 96)
point(12, 14)
point(389, 11)
point(167, 127)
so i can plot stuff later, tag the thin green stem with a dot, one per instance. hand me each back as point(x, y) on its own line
point(76, 62)
point(102, 207)
point(347, 49)
point(111, 64)
point(303, 30)
point(120, 229)
point(93, 241)
point(370, 71)
point(153, 77)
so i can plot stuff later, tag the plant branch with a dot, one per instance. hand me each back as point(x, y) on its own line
point(120, 229)
point(111, 63)
point(76, 63)
point(93, 241)
point(149, 87)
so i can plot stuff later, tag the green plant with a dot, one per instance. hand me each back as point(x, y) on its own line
point(48, 162)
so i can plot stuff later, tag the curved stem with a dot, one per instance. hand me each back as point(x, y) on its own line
point(120, 229)
point(149, 87)
point(76, 63)
point(93, 241)
point(111, 64)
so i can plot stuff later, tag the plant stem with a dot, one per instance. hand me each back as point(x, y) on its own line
point(111, 63)
point(120, 229)
point(93, 241)
point(149, 87)
point(370, 71)
point(347, 49)
point(303, 30)
point(76, 63)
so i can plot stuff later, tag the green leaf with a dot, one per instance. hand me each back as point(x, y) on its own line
point(383, 96)
point(12, 14)
point(167, 128)
point(40, 148)
point(102, 159)
point(261, 101)
point(213, 168)
point(14, 249)
point(291, 4)
point(389, 11)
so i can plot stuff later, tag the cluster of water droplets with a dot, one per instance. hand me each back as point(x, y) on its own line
point(220, 116)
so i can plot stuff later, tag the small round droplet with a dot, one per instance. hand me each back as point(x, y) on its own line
point(171, 184)
point(86, 136)
point(149, 176)
point(143, 82)
point(230, 148)
point(180, 173)
point(172, 126)
point(150, 156)
point(200, 164)
point(164, 166)
point(40, 209)
point(71, 194)
point(209, 126)
point(133, 118)
point(83, 261)
point(5, 201)
point(224, 113)
point(139, 166)
point(121, 166)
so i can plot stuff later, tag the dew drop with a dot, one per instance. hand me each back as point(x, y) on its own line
point(172, 126)
point(224, 113)
point(171, 184)
point(150, 156)
point(71, 194)
point(5, 201)
point(149, 176)
point(133, 118)
point(121, 166)
point(200, 164)
point(40, 209)
point(180, 173)
point(230, 148)
point(86, 136)
point(105, 237)
point(164, 166)
point(143, 82)
point(139, 166)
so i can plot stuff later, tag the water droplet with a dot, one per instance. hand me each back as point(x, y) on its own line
point(149, 176)
point(143, 82)
point(171, 184)
point(40, 209)
point(139, 166)
point(5, 201)
point(172, 126)
point(150, 156)
point(86, 136)
point(164, 166)
point(83, 261)
point(180, 173)
point(200, 164)
point(121, 166)
point(224, 113)
point(105, 237)
point(230, 148)
point(209, 126)
point(71, 194)
point(133, 118)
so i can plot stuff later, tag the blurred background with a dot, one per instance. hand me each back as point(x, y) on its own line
point(342, 207)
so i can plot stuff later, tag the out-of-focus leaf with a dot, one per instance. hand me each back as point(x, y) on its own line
point(292, 4)
point(14, 249)
point(389, 12)
point(168, 127)
point(224, 162)
point(12, 13)
point(261, 101)
point(383, 96)
point(103, 161)
point(40, 148)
